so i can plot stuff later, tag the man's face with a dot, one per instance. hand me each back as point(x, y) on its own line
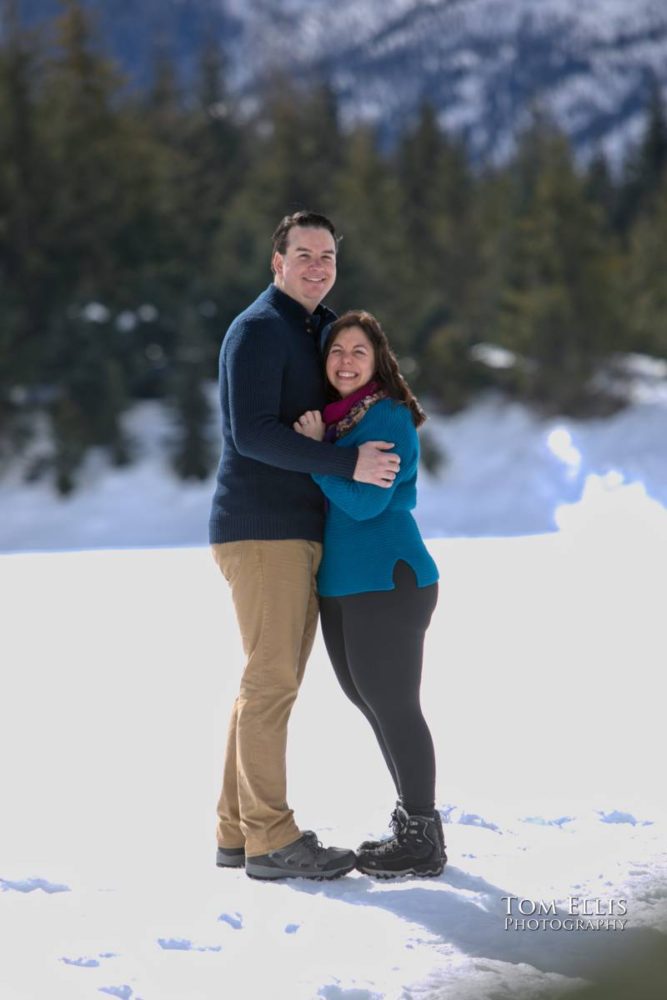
point(307, 270)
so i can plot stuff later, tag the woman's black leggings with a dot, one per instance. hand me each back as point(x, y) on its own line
point(375, 642)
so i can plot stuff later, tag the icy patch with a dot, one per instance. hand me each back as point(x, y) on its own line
point(234, 920)
point(291, 928)
point(82, 963)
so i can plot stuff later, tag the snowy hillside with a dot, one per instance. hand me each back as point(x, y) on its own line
point(485, 64)
point(504, 472)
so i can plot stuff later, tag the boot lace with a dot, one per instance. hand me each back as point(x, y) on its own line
point(405, 832)
point(313, 843)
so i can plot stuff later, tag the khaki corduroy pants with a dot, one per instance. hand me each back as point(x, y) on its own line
point(273, 585)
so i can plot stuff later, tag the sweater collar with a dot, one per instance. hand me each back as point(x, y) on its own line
point(293, 311)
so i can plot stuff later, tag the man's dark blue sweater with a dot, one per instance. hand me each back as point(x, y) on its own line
point(270, 373)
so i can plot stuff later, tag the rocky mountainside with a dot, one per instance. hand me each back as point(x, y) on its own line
point(485, 64)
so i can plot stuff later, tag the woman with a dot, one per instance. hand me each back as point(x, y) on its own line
point(378, 585)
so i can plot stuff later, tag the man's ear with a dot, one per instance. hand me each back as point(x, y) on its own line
point(277, 263)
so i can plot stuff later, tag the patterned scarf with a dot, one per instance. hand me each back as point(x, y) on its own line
point(344, 414)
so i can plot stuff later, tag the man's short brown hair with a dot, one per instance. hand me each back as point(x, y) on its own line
point(309, 220)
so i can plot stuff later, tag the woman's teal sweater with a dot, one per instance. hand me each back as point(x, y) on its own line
point(369, 528)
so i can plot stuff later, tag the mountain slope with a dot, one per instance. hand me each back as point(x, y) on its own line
point(485, 64)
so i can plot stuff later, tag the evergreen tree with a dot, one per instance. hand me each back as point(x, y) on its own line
point(88, 398)
point(601, 189)
point(99, 183)
point(299, 152)
point(25, 198)
point(82, 126)
point(558, 310)
point(646, 313)
point(436, 189)
point(372, 271)
point(646, 165)
point(215, 147)
point(441, 255)
point(192, 450)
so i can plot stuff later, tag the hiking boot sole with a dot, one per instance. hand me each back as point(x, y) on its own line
point(417, 871)
point(266, 873)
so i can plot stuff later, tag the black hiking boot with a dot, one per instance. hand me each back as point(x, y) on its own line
point(370, 845)
point(395, 824)
point(417, 849)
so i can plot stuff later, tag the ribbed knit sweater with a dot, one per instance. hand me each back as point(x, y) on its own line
point(271, 373)
point(369, 528)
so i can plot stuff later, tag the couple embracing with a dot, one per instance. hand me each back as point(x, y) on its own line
point(311, 517)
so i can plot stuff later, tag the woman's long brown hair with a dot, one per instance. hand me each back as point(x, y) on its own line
point(387, 372)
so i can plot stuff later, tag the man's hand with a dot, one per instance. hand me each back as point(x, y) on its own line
point(310, 424)
point(375, 466)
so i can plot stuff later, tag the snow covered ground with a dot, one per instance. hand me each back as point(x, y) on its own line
point(543, 686)
point(543, 689)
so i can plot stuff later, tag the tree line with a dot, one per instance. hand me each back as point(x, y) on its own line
point(135, 225)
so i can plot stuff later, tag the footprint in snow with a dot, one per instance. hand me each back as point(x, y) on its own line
point(122, 992)
point(540, 821)
point(182, 944)
point(336, 993)
point(472, 819)
point(88, 963)
point(622, 817)
point(31, 884)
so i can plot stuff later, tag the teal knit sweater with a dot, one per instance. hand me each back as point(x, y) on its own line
point(368, 528)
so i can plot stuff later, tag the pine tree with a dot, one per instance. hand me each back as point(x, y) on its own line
point(558, 310)
point(98, 190)
point(372, 252)
point(215, 150)
point(601, 189)
point(646, 313)
point(645, 165)
point(82, 125)
point(442, 256)
point(192, 450)
point(26, 263)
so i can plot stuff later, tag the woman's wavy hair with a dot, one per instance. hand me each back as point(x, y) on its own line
point(387, 372)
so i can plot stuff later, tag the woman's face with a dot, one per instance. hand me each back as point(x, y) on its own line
point(351, 360)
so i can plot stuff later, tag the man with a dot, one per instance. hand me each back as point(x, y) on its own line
point(266, 529)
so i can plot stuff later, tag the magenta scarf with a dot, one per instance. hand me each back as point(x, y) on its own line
point(341, 415)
